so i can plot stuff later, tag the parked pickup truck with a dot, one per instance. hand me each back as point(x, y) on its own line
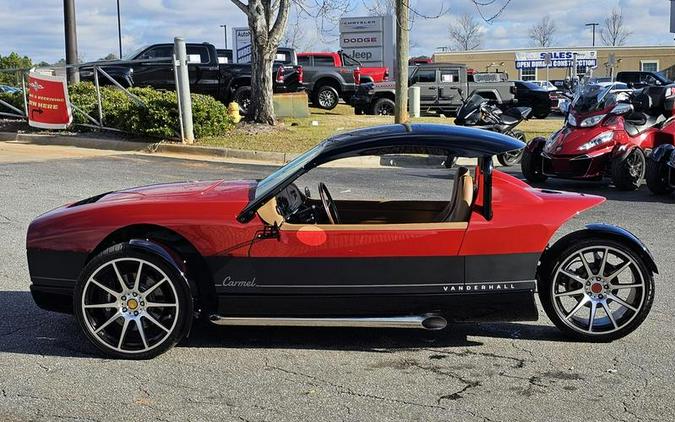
point(642, 79)
point(331, 76)
point(285, 55)
point(439, 85)
point(224, 81)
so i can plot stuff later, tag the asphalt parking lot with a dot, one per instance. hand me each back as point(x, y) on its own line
point(481, 372)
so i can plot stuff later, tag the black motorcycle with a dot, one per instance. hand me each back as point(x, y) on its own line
point(477, 111)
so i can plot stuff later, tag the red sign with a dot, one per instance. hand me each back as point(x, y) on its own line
point(48, 105)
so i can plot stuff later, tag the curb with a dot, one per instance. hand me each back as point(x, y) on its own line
point(240, 154)
point(74, 141)
point(393, 160)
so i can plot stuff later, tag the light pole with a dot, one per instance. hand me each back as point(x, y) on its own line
point(119, 27)
point(225, 34)
point(71, 40)
point(593, 25)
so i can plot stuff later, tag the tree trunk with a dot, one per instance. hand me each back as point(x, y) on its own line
point(262, 81)
point(402, 46)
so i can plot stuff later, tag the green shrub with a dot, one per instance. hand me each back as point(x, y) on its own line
point(15, 99)
point(157, 117)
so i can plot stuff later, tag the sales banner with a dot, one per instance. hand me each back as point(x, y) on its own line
point(556, 58)
point(48, 104)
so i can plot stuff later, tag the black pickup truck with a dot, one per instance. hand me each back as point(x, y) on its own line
point(223, 81)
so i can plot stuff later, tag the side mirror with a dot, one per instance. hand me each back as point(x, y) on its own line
point(622, 109)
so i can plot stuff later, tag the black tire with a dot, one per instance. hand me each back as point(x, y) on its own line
point(559, 255)
point(384, 107)
point(628, 171)
point(145, 335)
point(242, 96)
point(326, 97)
point(656, 176)
point(530, 165)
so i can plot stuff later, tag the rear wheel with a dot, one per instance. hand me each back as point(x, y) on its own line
point(657, 177)
point(628, 172)
point(597, 290)
point(530, 165)
point(132, 304)
point(326, 97)
point(383, 107)
point(512, 158)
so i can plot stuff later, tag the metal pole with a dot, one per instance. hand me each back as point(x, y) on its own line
point(183, 89)
point(98, 97)
point(180, 113)
point(119, 27)
point(71, 40)
point(25, 95)
point(225, 33)
point(593, 25)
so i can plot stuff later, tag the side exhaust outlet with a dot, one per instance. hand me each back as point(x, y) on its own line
point(432, 322)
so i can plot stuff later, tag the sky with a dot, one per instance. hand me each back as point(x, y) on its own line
point(35, 28)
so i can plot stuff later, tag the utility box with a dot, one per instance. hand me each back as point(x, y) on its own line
point(293, 104)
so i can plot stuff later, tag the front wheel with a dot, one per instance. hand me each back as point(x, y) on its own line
point(512, 158)
point(628, 172)
point(596, 290)
point(384, 107)
point(132, 304)
point(657, 175)
point(531, 167)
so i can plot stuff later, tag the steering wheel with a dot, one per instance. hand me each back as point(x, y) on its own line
point(328, 204)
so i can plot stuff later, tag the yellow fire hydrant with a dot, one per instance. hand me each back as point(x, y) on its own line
point(233, 112)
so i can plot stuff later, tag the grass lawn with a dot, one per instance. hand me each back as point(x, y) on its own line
point(297, 135)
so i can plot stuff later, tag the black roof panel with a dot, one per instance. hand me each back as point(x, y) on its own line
point(460, 140)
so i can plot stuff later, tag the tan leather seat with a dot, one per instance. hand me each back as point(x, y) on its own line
point(461, 210)
point(459, 207)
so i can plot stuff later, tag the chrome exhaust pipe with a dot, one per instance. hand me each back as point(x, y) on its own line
point(431, 322)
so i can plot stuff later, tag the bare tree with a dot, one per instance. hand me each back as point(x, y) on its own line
point(466, 33)
point(296, 35)
point(267, 21)
point(543, 32)
point(615, 32)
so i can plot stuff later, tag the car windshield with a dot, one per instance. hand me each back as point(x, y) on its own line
point(130, 56)
point(594, 97)
point(268, 184)
point(663, 78)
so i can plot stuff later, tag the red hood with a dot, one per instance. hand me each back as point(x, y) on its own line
point(173, 205)
point(237, 190)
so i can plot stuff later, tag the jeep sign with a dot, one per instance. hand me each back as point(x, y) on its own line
point(369, 39)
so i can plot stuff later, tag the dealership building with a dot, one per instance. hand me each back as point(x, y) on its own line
point(558, 63)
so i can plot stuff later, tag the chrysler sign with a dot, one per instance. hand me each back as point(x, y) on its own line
point(369, 39)
point(556, 58)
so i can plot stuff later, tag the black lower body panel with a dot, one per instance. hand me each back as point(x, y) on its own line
point(478, 306)
point(53, 275)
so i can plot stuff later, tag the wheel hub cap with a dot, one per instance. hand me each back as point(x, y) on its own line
point(132, 304)
point(596, 288)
